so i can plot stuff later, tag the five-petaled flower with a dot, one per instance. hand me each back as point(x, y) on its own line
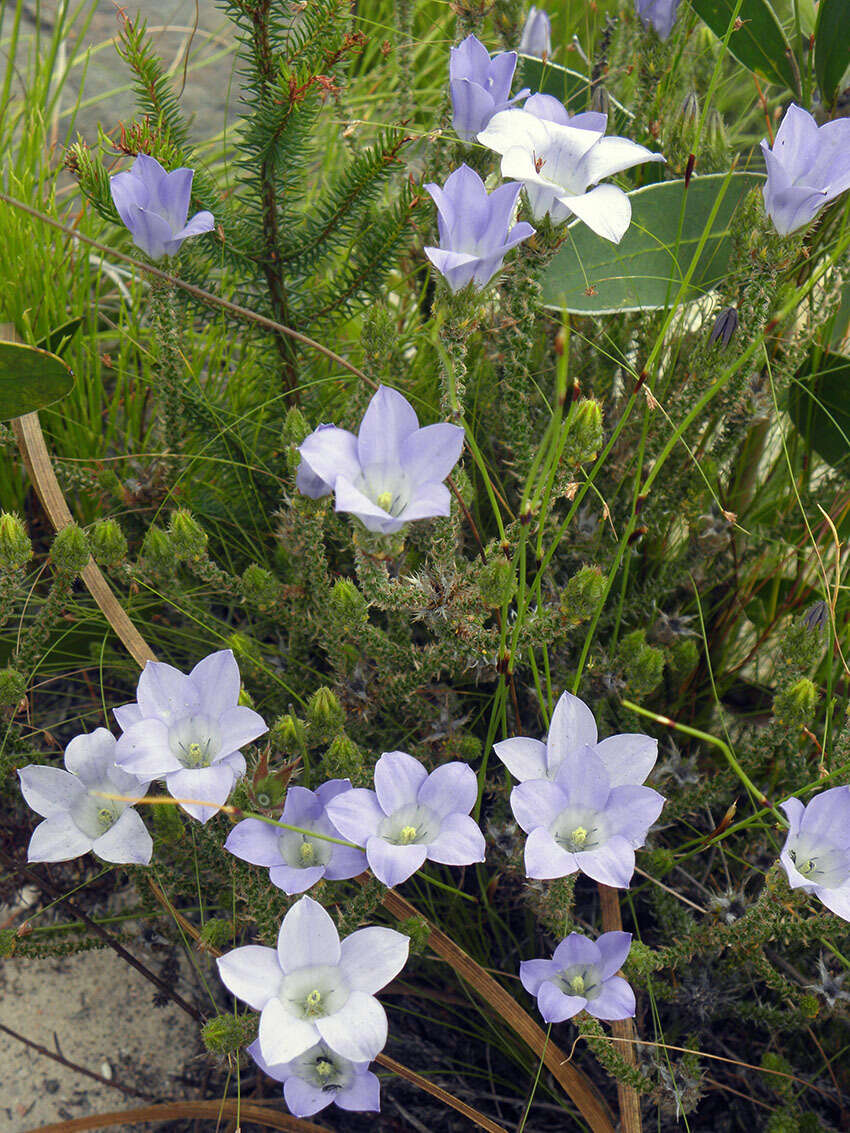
point(188, 730)
point(313, 988)
point(807, 167)
point(816, 854)
point(78, 810)
point(536, 38)
point(392, 472)
point(155, 205)
point(319, 1077)
point(558, 165)
point(411, 816)
point(476, 230)
point(297, 861)
point(582, 976)
point(480, 86)
point(659, 14)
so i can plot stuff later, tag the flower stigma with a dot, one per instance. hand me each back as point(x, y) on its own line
point(407, 835)
point(307, 852)
point(577, 984)
point(313, 1002)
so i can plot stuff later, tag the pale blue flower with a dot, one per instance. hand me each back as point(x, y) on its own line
point(154, 205)
point(807, 167)
point(582, 976)
point(188, 731)
point(476, 228)
point(480, 86)
point(659, 14)
point(816, 854)
point(536, 36)
point(78, 815)
point(319, 1077)
point(313, 988)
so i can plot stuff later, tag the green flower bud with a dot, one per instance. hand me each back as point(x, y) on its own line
point(796, 705)
point(659, 861)
point(344, 760)
point(108, 544)
point(641, 961)
point(227, 1033)
point(13, 688)
point(584, 438)
point(683, 658)
point(469, 747)
point(215, 933)
point(324, 714)
point(157, 552)
point(496, 582)
point(418, 931)
point(245, 648)
point(643, 665)
point(188, 538)
point(287, 735)
point(260, 587)
point(582, 595)
point(295, 427)
point(15, 546)
point(800, 647)
point(810, 1006)
point(70, 550)
point(348, 603)
point(167, 823)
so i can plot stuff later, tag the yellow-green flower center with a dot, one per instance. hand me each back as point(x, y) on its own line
point(578, 836)
point(313, 1002)
point(384, 500)
point(324, 1068)
point(407, 835)
point(307, 852)
point(577, 984)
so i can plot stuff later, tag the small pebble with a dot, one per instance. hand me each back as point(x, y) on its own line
point(106, 1070)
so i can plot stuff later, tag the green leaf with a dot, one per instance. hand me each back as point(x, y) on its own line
point(645, 270)
point(57, 340)
point(570, 87)
point(759, 43)
point(832, 47)
point(819, 406)
point(30, 379)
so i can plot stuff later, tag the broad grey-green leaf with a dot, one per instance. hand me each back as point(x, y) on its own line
point(758, 40)
point(819, 406)
point(30, 379)
point(832, 46)
point(645, 270)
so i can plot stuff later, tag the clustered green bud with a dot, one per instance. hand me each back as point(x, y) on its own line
point(582, 595)
point(584, 438)
point(295, 427)
point(215, 933)
point(13, 688)
point(348, 603)
point(70, 550)
point(227, 1033)
point(801, 646)
point(157, 552)
point(683, 657)
point(15, 546)
point(418, 930)
point(344, 760)
point(796, 704)
point(497, 582)
point(325, 714)
point(643, 665)
point(287, 735)
point(108, 544)
point(188, 538)
point(260, 587)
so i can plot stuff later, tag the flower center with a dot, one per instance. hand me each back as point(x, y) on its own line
point(301, 852)
point(314, 992)
point(313, 1003)
point(324, 1069)
point(408, 835)
point(579, 836)
point(195, 740)
point(306, 852)
point(576, 829)
point(410, 825)
point(385, 500)
point(387, 486)
point(577, 984)
point(579, 979)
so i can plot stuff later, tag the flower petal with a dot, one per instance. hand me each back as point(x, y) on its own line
point(628, 757)
point(388, 421)
point(283, 1036)
point(614, 947)
point(836, 900)
point(583, 778)
point(428, 500)
point(572, 726)
point(631, 810)
point(173, 192)
point(57, 839)
point(828, 815)
point(612, 864)
point(308, 936)
point(362, 1096)
point(331, 452)
point(460, 841)
point(358, 1030)
point(239, 726)
point(398, 777)
point(143, 749)
point(351, 499)
point(372, 957)
point(451, 789)
point(537, 802)
point(49, 790)
point(255, 842)
point(524, 758)
point(304, 1099)
point(615, 1001)
point(532, 973)
point(127, 840)
point(293, 880)
point(205, 789)
point(431, 453)
point(545, 859)
point(90, 756)
point(127, 715)
point(576, 949)
point(252, 974)
point(345, 862)
point(606, 210)
point(217, 683)
point(609, 156)
point(356, 814)
point(166, 693)
point(394, 864)
point(555, 1006)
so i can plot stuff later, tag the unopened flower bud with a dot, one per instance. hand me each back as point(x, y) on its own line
point(724, 327)
point(215, 933)
point(188, 538)
point(287, 735)
point(13, 688)
point(108, 544)
point(260, 587)
point(324, 714)
point(295, 427)
point(816, 617)
point(70, 550)
point(227, 1033)
point(418, 931)
point(582, 595)
point(344, 760)
point(585, 432)
point(348, 603)
point(497, 582)
point(15, 546)
point(157, 552)
point(796, 705)
point(643, 665)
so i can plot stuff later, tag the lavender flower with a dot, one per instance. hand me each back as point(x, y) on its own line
point(559, 163)
point(816, 854)
point(581, 976)
point(581, 821)
point(392, 471)
point(536, 36)
point(480, 86)
point(318, 1077)
point(313, 988)
point(297, 861)
point(628, 757)
point(660, 14)
point(475, 228)
point(807, 167)
point(549, 109)
point(154, 205)
point(411, 816)
point(724, 327)
point(77, 816)
point(188, 730)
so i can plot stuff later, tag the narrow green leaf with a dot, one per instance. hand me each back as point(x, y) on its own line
point(832, 47)
point(644, 271)
point(759, 43)
point(58, 339)
point(30, 379)
point(819, 406)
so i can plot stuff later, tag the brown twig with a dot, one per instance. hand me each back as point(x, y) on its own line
point(442, 1095)
point(627, 1095)
point(212, 1110)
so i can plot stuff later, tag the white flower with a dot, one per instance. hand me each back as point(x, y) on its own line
point(558, 164)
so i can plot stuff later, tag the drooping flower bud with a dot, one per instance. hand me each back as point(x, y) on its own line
point(287, 735)
point(324, 714)
point(157, 552)
point(348, 603)
point(796, 705)
point(260, 587)
point(724, 327)
point(643, 665)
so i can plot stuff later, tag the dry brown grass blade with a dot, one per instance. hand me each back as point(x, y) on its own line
point(212, 1110)
point(35, 456)
point(627, 1096)
point(585, 1098)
